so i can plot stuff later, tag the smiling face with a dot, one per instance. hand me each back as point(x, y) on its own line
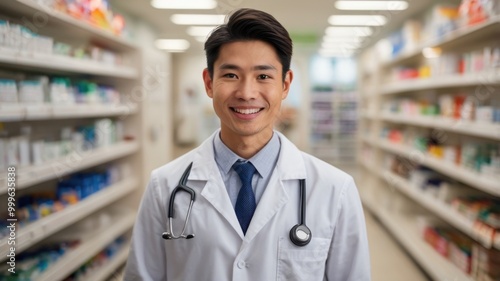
point(247, 88)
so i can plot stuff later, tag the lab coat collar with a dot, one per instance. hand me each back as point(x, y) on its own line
point(290, 166)
point(290, 163)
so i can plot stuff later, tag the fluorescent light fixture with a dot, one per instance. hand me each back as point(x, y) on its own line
point(431, 53)
point(184, 4)
point(197, 19)
point(172, 45)
point(358, 20)
point(371, 5)
point(348, 31)
point(201, 39)
point(200, 31)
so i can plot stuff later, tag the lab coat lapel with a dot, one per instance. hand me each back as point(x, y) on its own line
point(273, 199)
point(205, 169)
point(290, 166)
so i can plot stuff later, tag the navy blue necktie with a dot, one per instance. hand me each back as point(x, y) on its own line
point(245, 203)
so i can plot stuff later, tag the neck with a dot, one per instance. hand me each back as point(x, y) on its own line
point(246, 146)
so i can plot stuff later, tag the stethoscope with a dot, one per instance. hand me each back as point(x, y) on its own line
point(300, 234)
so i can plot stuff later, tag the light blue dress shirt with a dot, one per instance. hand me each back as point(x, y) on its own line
point(264, 162)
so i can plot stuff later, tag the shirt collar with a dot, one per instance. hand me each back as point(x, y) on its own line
point(264, 161)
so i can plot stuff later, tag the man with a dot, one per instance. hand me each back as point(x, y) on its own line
point(247, 183)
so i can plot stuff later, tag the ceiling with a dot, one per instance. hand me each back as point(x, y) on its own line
point(301, 18)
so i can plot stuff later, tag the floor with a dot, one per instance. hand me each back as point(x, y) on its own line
point(388, 260)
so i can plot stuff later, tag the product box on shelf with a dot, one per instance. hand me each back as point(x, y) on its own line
point(485, 263)
point(440, 20)
point(477, 11)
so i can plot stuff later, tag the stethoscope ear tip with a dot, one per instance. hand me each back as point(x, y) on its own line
point(189, 236)
point(166, 236)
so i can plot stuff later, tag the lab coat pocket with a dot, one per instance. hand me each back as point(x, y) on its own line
point(302, 263)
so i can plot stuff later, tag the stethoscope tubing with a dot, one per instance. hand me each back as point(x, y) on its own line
point(300, 234)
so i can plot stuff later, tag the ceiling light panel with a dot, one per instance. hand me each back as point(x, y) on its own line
point(372, 5)
point(172, 44)
point(200, 31)
point(197, 19)
point(184, 4)
point(357, 20)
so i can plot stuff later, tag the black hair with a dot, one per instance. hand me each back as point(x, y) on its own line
point(249, 24)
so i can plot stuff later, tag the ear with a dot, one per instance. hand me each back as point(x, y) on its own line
point(286, 84)
point(208, 83)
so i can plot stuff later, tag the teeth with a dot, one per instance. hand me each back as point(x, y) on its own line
point(247, 111)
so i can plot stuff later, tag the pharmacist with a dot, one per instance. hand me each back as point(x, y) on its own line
point(248, 204)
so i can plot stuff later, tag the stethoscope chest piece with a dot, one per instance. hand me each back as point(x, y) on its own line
point(300, 235)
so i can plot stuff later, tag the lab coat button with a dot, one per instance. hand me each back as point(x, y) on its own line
point(241, 264)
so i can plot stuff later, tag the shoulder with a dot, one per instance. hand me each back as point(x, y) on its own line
point(201, 156)
point(322, 168)
point(176, 166)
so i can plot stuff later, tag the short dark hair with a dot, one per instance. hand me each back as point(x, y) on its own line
point(249, 24)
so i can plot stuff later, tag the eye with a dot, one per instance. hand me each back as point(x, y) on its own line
point(230, 75)
point(263, 77)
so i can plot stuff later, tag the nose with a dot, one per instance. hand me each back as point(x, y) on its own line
point(246, 89)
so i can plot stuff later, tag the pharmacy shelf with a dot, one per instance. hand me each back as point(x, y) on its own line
point(474, 179)
point(35, 10)
point(456, 38)
point(440, 208)
point(71, 163)
point(109, 268)
point(20, 112)
point(449, 81)
point(406, 232)
point(34, 232)
point(491, 131)
point(75, 258)
point(74, 162)
point(58, 63)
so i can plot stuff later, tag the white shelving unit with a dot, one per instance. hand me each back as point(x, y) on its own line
point(110, 268)
point(66, 64)
point(333, 127)
point(43, 228)
point(490, 131)
point(78, 28)
point(51, 112)
point(438, 207)
point(127, 78)
point(88, 248)
point(392, 198)
point(405, 231)
point(486, 184)
point(77, 161)
point(451, 40)
point(450, 81)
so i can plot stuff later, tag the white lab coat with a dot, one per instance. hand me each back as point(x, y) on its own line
point(219, 252)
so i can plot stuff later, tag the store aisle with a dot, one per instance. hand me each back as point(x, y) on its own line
point(389, 261)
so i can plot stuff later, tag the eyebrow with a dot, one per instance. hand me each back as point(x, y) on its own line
point(257, 67)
